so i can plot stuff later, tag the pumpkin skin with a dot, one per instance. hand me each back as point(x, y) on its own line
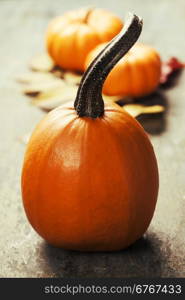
point(83, 194)
point(136, 74)
point(72, 36)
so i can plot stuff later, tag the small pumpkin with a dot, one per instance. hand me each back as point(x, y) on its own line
point(136, 74)
point(90, 176)
point(72, 36)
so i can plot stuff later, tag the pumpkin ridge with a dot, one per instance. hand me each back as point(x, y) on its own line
point(95, 225)
point(93, 40)
point(51, 39)
point(141, 80)
point(116, 138)
point(157, 63)
point(146, 79)
point(70, 47)
point(134, 144)
point(94, 25)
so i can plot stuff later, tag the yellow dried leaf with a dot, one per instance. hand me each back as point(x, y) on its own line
point(50, 100)
point(38, 88)
point(137, 109)
point(35, 77)
point(110, 98)
point(72, 78)
point(42, 62)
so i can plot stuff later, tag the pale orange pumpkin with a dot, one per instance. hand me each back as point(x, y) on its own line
point(73, 35)
point(90, 177)
point(136, 74)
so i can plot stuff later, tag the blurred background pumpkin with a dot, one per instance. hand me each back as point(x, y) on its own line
point(72, 36)
point(136, 74)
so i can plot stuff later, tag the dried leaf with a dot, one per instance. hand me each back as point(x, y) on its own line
point(49, 104)
point(56, 97)
point(39, 88)
point(57, 72)
point(137, 109)
point(34, 77)
point(51, 86)
point(111, 98)
point(72, 78)
point(42, 62)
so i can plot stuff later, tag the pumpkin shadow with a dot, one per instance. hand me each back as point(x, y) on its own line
point(154, 124)
point(143, 259)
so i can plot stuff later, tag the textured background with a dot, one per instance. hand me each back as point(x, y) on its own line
point(22, 253)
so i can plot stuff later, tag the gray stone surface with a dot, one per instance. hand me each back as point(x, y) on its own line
point(22, 252)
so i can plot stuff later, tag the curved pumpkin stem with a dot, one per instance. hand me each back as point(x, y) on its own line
point(89, 102)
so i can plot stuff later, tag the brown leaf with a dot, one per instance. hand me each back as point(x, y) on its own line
point(57, 72)
point(169, 67)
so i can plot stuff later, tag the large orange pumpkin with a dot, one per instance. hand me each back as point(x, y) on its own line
point(90, 177)
point(72, 36)
point(136, 74)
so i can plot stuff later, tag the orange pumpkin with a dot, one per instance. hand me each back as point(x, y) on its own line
point(72, 36)
point(90, 177)
point(136, 74)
